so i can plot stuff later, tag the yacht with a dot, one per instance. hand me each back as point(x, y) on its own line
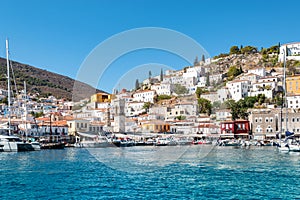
point(11, 143)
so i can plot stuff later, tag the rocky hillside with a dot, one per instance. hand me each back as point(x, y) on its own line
point(44, 82)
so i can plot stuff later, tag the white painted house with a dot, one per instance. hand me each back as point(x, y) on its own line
point(260, 71)
point(223, 94)
point(163, 88)
point(144, 96)
point(292, 51)
point(264, 86)
point(238, 89)
point(293, 101)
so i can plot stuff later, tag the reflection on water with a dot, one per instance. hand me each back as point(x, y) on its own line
point(149, 158)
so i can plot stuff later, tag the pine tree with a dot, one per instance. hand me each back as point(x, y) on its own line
point(196, 62)
point(207, 80)
point(137, 84)
point(203, 58)
point(161, 75)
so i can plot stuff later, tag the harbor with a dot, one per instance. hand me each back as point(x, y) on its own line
point(223, 173)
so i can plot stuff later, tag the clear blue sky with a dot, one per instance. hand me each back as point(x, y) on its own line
point(57, 35)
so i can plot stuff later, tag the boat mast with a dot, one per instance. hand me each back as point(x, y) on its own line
point(8, 88)
point(285, 88)
point(25, 104)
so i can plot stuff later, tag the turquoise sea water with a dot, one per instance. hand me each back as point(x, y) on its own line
point(224, 173)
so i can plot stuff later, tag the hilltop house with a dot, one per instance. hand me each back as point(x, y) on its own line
point(260, 71)
point(144, 96)
point(264, 86)
point(163, 88)
point(292, 50)
point(238, 89)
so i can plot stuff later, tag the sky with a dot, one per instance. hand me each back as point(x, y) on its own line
point(60, 35)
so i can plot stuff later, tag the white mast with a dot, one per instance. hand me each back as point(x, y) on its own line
point(25, 104)
point(285, 89)
point(8, 87)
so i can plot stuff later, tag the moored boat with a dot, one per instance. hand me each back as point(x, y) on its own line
point(10, 143)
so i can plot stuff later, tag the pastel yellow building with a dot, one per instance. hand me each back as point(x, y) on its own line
point(101, 98)
point(293, 84)
point(156, 126)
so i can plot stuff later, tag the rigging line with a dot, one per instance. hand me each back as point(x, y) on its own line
point(16, 88)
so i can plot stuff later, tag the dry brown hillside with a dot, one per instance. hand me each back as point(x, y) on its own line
point(44, 82)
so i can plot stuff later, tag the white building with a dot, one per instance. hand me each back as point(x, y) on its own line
point(215, 78)
point(292, 51)
point(264, 86)
point(202, 82)
point(134, 108)
point(238, 89)
point(260, 71)
point(293, 101)
point(212, 96)
point(223, 114)
point(182, 127)
point(144, 96)
point(252, 78)
point(182, 109)
point(163, 88)
point(223, 94)
point(191, 72)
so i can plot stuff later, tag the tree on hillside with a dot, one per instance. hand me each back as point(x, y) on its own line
point(207, 79)
point(146, 106)
point(4, 100)
point(204, 106)
point(137, 84)
point(163, 97)
point(234, 72)
point(196, 62)
point(200, 91)
point(180, 89)
point(248, 50)
point(161, 75)
point(239, 109)
point(150, 75)
point(203, 58)
point(234, 50)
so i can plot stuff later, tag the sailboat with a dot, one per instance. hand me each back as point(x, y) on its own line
point(288, 145)
point(9, 142)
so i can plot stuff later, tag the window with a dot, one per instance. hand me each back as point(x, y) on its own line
point(256, 119)
point(271, 119)
point(267, 120)
point(260, 119)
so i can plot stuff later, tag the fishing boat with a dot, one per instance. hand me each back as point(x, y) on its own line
point(87, 140)
point(229, 142)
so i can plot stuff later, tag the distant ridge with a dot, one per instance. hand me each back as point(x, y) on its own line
point(44, 82)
